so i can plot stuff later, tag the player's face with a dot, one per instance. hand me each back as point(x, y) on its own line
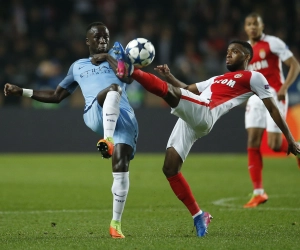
point(253, 27)
point(235, 58)
point(98, 39)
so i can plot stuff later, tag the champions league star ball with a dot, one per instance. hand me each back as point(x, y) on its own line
point(140, 52)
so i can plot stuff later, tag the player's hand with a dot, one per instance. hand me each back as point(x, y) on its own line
point(294, 148)
point(163, 70)
point(99, 58)
point(281, 94)
point(14, 90)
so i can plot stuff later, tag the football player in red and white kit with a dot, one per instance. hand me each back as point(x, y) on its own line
point(199, 106)
point(268, 53)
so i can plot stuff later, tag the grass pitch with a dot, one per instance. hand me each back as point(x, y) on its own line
point(63, 201)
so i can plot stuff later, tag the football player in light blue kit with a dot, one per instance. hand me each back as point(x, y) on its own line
point(107, 110)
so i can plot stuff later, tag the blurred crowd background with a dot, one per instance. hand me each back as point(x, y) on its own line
point(41, 39)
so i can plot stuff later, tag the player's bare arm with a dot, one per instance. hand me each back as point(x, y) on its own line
point(275, 114)
point(164, 71)
point(47, 96)
point(193, 88)
point(98, 58)
point(294, 70)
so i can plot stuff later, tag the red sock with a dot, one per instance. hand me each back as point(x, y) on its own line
point(150, 82)
point(255, 166)
point(284, 145)
point(183, 192)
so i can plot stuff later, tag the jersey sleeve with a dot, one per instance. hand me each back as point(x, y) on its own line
point(201, 86)
point(69, 82)
point(279, 48)
point(259, 85)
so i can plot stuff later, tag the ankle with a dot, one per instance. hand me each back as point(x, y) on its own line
point(110, 139)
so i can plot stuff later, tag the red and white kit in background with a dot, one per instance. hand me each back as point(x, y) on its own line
point(219, 94)
point(268, 53)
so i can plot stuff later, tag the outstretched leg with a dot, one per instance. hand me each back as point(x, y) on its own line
point(149, 81)
point(158, 87)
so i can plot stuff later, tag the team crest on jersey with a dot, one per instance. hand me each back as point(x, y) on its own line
point(238, 75)
point(262, 53)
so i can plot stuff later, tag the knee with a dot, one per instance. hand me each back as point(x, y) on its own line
point(120, 165)
point(172, 163)
point(274, 146)
point(274, 141)
point(169, 171)
point(115, 87)
point(254, 141)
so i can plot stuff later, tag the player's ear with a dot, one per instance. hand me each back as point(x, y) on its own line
point(248, 58)
point(87, 42)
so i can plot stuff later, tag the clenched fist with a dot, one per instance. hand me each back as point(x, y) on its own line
point(10, 89)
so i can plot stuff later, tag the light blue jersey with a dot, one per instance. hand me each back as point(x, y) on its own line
point(93, 79)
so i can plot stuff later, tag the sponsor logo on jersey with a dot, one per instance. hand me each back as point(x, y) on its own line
point(258, 65)
point(228, 82)
point(262, 54)
point(238, 75)
point(267, 86)
point(102, 69)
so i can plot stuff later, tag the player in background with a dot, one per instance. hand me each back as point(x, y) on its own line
point(268, 53)
point(199, 106)
point(107, 110)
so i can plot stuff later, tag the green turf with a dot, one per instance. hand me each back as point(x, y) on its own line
point(52, 201)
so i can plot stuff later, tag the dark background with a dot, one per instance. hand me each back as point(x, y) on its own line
point(54, 131)
point(41, 39)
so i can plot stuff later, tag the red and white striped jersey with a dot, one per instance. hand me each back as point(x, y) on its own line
point(268, 53)
point(231, 89)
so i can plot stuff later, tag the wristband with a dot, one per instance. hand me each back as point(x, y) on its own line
point(27, 92)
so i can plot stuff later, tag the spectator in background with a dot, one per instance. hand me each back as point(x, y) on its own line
point(46, 22)
point(49, 73)
point(189, 64)
point(165, 42)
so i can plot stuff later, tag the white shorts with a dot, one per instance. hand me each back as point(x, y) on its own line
point(195, 121)
point(257, 115)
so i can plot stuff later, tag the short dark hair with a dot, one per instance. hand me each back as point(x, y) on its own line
point(93, 25)
point(247, 46)
point(256, 15)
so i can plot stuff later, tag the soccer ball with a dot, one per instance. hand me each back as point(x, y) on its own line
point(140, 52)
